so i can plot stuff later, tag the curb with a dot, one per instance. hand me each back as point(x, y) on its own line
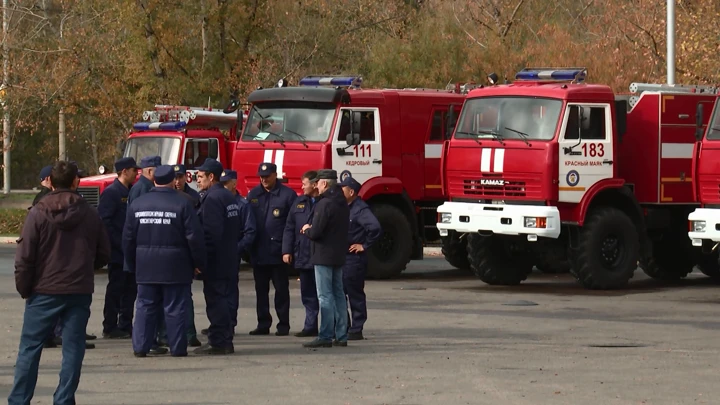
point(8, 239)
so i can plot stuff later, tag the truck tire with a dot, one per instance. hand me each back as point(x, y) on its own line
point(455, 251)
point(707, 263)
point(671, 259)
point(608, 248)
point(496, 260)
point(391, 253)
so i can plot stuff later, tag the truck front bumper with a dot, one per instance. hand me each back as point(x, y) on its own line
point(531, 220)
point(704, 224)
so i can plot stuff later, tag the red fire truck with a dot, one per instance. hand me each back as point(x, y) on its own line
point(179, 135)
point(549, 169)
point(390, 140)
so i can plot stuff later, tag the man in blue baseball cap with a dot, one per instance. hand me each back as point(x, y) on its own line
point(220, 217)
point(45, 186)
point(181, 185)
point(145, 183)
point(121, 289)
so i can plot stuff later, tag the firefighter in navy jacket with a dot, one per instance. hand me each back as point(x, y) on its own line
point(221, 223)
point(271, 203)
point(121, 289)
point(148, 165)
point(181, 185)
point(164, 246)
point(246, 236)
point(363, 232)
point(297, 249)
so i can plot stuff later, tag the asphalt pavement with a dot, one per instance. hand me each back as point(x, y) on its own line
point(434, 336)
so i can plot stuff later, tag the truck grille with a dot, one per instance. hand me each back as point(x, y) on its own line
point(91, 194)
point(518, 185)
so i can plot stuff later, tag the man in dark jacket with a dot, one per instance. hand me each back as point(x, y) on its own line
point(364, 231)
point(328, 232)
point(145, 182)
point(271, 202)
point(121, 288)
point(296, 251)
point(63, 241)
point(181, 185)
point(220, 219)
point(164, 245)
point(45, 186)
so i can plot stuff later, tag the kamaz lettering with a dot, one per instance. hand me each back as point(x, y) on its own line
point(492, 182)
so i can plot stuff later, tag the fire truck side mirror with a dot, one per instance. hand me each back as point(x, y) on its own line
point(121, 146)
point(620, 118)
point(355, 122)
point(699, 114)
point(450, 121)
point(353, 138)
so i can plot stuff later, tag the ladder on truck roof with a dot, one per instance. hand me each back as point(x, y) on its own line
point(170, 117)
point(639, 88)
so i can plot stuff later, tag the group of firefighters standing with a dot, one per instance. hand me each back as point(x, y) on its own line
point(164, 234)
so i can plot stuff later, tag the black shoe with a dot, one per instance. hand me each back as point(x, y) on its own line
point(89, 345)
point(204, 332)
point(90, 337)
point(338, 343)
point(282, 333)
point(212, 350)
point(136, 354)
point(116, 334)
point(194, 342)
point(158, 350)
point(163, 343)
point(256, 332)
point(306, 333)
point(50, 344)
point(355, 336)
point(318, 343)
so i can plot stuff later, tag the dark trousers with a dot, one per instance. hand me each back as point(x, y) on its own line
point(354, 272)
point(234, 301)
point(191, 331)
point(161, 300)
point(120, 298)
point(218, 298)
point(41, 314)
point(278, 274)
point(308, 295)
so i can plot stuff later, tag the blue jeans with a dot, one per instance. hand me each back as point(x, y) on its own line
point(41, 314)
point(333, 307)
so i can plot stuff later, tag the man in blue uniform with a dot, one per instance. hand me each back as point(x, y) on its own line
point(164, 246)
point(220, 218)
point(121, 289)
point(364, 231)
point(145, 182)
point(181, 184)
point(297, 250)
point(271, 203)
point(246, 236)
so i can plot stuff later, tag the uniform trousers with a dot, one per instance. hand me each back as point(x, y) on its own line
point(218, 305)
point(278, 274)
point(354, 272)
point(161, 300)
point(120, 298)
point(309, 298)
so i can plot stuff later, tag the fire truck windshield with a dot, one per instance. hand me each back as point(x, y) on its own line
point(289, 121)
point(714, 130)
point(509, 118)
point(168, 148)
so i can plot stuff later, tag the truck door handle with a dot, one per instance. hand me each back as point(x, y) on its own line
point(377, 161)
point(607, 162)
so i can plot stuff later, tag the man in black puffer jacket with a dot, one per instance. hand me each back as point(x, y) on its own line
point(328, 231)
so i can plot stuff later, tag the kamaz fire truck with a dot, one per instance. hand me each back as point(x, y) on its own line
point(179, 135)
point(390, 140)
point(549, 169)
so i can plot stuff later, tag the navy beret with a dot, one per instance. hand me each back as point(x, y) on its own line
point(164, 175)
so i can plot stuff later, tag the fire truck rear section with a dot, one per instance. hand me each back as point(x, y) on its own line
point(548, 170)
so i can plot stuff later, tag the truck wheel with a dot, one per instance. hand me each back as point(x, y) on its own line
point(607, 251)
point(496, 260)
point(455, 251)
point(707, 263)
point(671, 257)
point(391, 253)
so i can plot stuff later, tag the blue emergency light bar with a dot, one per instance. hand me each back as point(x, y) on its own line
point(163, 126)
point(564, 74)
point(348, 81)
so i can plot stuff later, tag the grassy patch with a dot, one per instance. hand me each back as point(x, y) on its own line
point(11, 220)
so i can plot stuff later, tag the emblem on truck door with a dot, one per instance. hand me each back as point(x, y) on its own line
point(572, 178)
point(492, 182)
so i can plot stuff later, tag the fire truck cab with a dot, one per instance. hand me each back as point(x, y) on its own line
point(389, 140)
point(551, 171)
point(179, 135)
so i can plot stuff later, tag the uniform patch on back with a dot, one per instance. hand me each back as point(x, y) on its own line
point(300, 206)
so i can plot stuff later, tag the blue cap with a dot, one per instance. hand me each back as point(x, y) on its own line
point(352, 183)
point(179, 169)
point(228, 175)
point(164, 175)
point(211, 166)
point(266, 169)
point(45, 172)
point(150, 161)
point(125, 163)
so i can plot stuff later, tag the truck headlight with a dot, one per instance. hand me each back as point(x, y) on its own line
point(535, 222)
point(444, 217)
point(697, 226)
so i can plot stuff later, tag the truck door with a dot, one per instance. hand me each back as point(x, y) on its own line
point(196, 151)
point(363, 161)
point(586, 149)
point(437, 135)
